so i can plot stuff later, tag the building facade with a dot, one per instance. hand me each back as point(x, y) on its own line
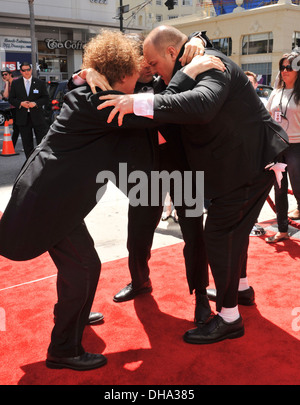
point(62, 27)
point(255, 38)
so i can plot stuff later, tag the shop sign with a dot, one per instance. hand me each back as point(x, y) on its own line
point(15, 44)
point(99, 1)
point(52, 43)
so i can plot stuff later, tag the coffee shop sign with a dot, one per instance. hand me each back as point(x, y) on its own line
point(67, 44)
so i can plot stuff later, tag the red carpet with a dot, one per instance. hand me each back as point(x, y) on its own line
point(142, 339)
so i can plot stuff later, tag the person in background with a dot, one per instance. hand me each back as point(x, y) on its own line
point(257, 230)
point(253, 79)
point(29, 94)
point(7, 77)
point(284, 106)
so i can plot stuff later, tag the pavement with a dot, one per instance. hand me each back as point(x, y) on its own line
point(107, 222)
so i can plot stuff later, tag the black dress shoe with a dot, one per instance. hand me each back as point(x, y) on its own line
point(215, 331)
point(128, 293)
point(246, 297)
point(95, 317)
point(203, 312)
point(87, 361)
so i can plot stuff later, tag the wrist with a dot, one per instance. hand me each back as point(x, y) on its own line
point(191, 71)
point(202, 39)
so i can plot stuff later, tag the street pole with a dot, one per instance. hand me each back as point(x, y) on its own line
point(32, 35)
point(121, 15)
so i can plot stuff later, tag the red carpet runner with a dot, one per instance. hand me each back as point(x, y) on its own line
point(142, 339)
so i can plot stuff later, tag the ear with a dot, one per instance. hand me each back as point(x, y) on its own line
point(173, 52)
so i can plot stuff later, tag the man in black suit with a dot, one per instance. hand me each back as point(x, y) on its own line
point(29, 94)
point(57, 187)
point(143, 220)
point(229, 135)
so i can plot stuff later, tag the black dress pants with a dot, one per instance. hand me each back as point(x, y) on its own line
point(143, 220)
point(229, 222)
point(16, 132)
point(78, 268)
point(26, 132)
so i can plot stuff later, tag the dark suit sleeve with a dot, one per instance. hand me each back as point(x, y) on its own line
point(13, 96)
point(43, 95)
point(129, 121)
point(188, 101)
point(204, 36)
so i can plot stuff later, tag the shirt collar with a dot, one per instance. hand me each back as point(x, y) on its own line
point(25, 80)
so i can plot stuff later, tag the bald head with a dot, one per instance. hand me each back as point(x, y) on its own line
point(161, 48)
point(163, 36)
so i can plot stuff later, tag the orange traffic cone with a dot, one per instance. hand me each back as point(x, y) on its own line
point(8, 147)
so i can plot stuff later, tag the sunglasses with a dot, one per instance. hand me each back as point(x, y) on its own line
point(25, 70)
point(4, 74)
point(288, 68)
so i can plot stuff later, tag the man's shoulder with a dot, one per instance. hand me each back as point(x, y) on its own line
point(17, 81)
point(38, 81)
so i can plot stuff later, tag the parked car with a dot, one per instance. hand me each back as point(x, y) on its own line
point(264, 91)
point(5, 113)
point(57, 91)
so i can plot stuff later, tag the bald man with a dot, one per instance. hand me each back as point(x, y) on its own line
point(227, 132)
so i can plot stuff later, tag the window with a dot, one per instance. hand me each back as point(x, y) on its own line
point(223, 44)
point(257, 43)
point(296, 40)
point(187, 2)
point(159, 17)
point(52, 60)
point(262, 70)
point(158, 2)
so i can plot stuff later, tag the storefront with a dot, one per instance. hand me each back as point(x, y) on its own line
point(61, 31)
point(255, 39)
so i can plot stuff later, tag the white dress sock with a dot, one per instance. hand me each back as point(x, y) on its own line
point(243, 284)
point(230, 314)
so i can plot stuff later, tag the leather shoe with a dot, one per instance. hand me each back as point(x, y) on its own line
point(277, 238)
point(128, 293)
point(95, 317)
point(87, 361)
point(245, 297)
point(294, 214)
point(203, 312)
point(215, 331)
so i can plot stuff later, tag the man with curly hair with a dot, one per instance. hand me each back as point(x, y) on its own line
point(57, 188)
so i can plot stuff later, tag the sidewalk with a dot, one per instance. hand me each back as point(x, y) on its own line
point(107, 222)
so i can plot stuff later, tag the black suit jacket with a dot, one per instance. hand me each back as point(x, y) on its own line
point(38, 93)
point(226, 130)
point(57, 187)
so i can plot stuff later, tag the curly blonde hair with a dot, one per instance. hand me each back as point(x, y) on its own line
point(113, 55)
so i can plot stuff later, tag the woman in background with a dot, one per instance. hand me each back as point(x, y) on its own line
point(284, 105)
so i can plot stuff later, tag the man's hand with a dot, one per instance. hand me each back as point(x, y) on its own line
point(122, 105)
point(95, 79)
point(31, 104)
point(191, 49)
point(25, 104)
point(203, 63)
